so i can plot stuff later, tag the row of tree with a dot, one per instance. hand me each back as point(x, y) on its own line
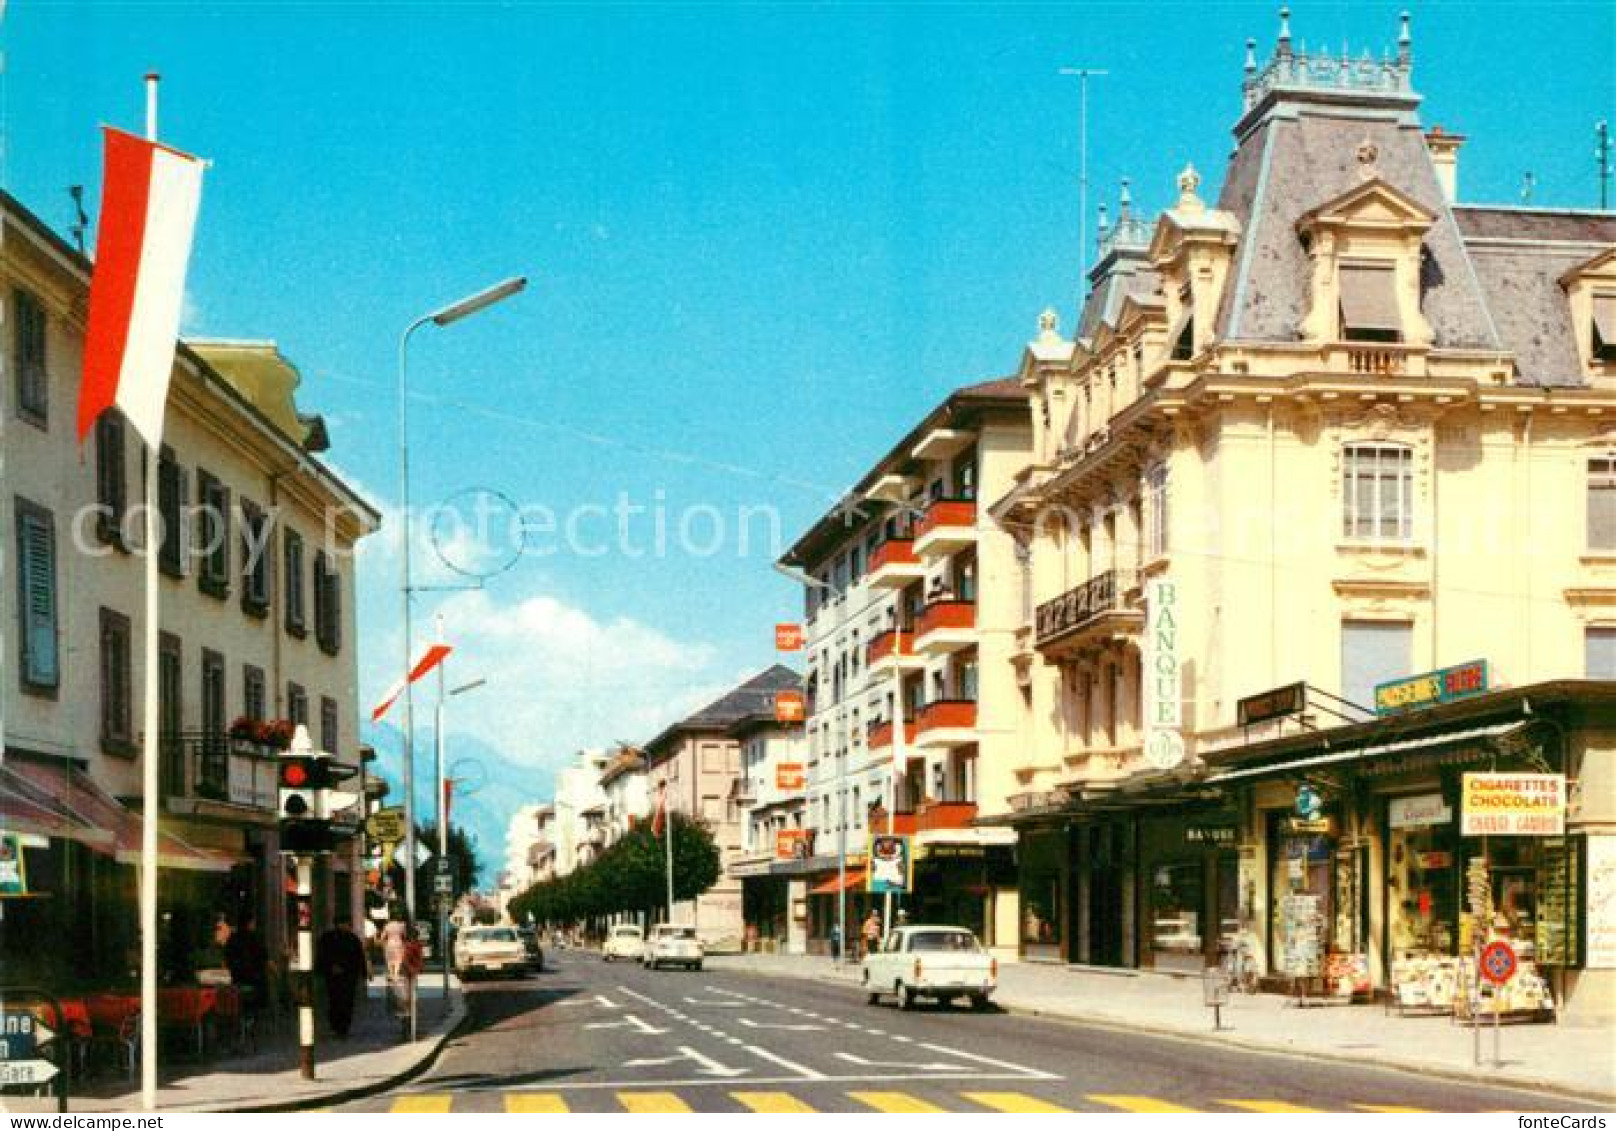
point(630, 876)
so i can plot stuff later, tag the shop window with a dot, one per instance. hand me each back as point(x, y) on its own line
point(1043, 914)
point(1369, 303)
point(1602, 503)
point(1377, 492)
point(1177, 901)
point(1373, 652)
point(1599, 650)
point(1422, 895)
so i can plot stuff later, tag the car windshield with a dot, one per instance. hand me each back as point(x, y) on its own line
point(495, 935)
point(627, 932)
point(676, 932)
point(943, 940)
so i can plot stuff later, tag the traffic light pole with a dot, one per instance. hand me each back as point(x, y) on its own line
point(305, 965)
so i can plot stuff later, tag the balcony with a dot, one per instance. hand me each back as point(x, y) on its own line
point(946, 626)
point(880, 734)
point(929, 816)
point(891, 652)
point(947, 723)
point(222, 772)
point(948, 525)
point(1097, 609)
point(894, 564)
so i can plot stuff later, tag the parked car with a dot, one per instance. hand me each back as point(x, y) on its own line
point(942, 963)
point(489, 950)
point(625, 941)
point(671, 945)
point(530, 944)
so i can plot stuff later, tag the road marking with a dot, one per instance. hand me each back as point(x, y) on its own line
point(427, 1103)
point(934, 1067)
point(1383, 1110)
point(1271, 1107)
point(716, 1004)
point(988, 1060)
point(535, 1103)
point(1014, 1102)
point(894, 1102)
point(789, 1065)
point(1141, 1105)
point(708, 1066)
point(599, 999)
point(750, 1024)
point(771, 1103)
point(652, 1103)
point(629, 1021)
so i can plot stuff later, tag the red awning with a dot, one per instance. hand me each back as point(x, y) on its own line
point(30, 809)
point(837, 883)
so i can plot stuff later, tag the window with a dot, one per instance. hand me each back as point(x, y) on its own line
point(1604, 327)
point(1378, 492)
point(1602, 503)
point(328, 724)
point(1156, 512)
point(213, 720)
point(28, 352)
point(297, 704)
point(40, 668)
point(292, 579)
point(1369, 303)
point(117, 728)
point(254, 692)
point(213, 535)
point(1184, 338)
point(255, 552)
point(171, 503)
point(1599, 645)
point(111, 484)
point(171, 714)
point(1373, 652)
point(327, 604)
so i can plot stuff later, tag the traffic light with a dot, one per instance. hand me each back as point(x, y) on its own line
point(308, 800)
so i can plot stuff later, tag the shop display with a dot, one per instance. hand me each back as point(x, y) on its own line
point(1347, 975)
point(1302, 936)
point(1426, 982)
point(1524, 997)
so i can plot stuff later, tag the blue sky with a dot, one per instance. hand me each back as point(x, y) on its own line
point(766, 237)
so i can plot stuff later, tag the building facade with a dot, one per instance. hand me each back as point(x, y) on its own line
point(256, 617)
point(769, 794)
point(1340, 429)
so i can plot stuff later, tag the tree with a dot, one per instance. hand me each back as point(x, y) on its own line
point(631, 875)
point(463, 866)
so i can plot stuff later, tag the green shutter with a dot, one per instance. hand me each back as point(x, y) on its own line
point(36, 538)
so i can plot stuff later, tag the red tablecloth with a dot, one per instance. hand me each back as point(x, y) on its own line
point(74, 1019)
point(109, 1011)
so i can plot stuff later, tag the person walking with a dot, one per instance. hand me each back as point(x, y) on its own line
point(339, 959)
point(872, 932)
point(247, 959)
point(395, 937)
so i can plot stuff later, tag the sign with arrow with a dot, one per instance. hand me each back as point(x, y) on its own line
point(422, 855)
point(21, 1034)
point(17, 1073)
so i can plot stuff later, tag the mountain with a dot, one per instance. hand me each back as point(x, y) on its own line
point(483, 806)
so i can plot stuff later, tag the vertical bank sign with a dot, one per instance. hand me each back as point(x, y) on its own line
point(1163, 710)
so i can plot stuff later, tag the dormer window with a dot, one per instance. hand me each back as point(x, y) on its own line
point(1603, 345)
point(1369, 303)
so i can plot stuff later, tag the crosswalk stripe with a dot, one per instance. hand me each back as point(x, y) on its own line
point(428, 1103)
point(652, 1103)
point(1013, 1101)
point(894, 1102)
point(1391, 1110)
point(1142, 1105)
point(1271, 1107)
point(771, 1103)
point(535, 1103)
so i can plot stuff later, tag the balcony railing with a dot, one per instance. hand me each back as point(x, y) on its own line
point(946, 614)
point(887, 644)
point(1078, 608)
point(894, 551)
point(928, 816)
point(222, 769)
point(880, 734)
point(948, 714)
point(945, 513)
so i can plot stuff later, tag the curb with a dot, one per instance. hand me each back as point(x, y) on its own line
point(1437, 1071)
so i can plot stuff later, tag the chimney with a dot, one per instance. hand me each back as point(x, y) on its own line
point(1444, 148)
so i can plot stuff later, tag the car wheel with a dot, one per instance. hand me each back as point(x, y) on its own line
point(696, 967)
point(906, 997)
point(606, 957)
point(979, 1002)
point(874, 999)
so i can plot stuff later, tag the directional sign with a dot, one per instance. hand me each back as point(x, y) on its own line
point(443, 884)
point(21, 1034)
point(422, 855)
point(19, 1072)
point(386, 825)
point(1498, 962)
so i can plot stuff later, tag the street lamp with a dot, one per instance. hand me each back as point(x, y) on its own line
point(443, 316)
point(443, 814)
point(809, 581)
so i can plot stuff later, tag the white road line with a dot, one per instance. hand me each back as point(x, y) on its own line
point(900, 1038)
point(751, 1081)
point(802, 1070)
point(750, 1024)
point(1034, 1073)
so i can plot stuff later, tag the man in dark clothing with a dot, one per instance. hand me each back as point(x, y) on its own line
point(339, 958)
point(247, 958)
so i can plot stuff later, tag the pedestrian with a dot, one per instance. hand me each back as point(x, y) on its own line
point(414, 963)
point(394, 938)
point(836, 942)
point(872, 931)
point(339, 958)
point(247, 959)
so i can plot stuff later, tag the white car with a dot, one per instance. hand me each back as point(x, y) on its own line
point(942, 963)
point(671, 945)
point(626, 941)
point(490, 950)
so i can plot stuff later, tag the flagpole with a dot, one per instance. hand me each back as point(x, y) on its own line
point(899, 755)
point(667, 829)
point(150, 753)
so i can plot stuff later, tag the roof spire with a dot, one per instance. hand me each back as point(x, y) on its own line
point(1124, 204)
point(1105, 225)
point(1188, 181)
point(1405, 41)
point(1251, 59)
point(1284, 46)
point(1049, 325)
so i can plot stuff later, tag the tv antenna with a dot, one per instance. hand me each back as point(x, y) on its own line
point(81, 219)
point(1083, 74)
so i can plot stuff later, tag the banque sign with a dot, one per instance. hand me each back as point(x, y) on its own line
point(1163, 708)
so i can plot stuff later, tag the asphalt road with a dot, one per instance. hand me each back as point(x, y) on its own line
point(589, 1036)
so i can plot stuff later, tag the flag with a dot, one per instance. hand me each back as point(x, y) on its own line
point(149, 201)
point(430, 659)
point(659, 818)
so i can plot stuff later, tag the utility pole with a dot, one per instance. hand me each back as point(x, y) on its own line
point(1083, 74)
point(1602, 155)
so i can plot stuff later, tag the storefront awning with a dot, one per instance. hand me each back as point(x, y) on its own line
point(854, 879)
point(1364, 753)
point(27, 808)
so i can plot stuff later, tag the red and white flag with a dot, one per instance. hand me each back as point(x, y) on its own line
point(660, 817)
point(430, 659)
point(149, 201)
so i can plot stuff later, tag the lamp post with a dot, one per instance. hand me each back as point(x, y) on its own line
point(444, 316)
point(443, 814)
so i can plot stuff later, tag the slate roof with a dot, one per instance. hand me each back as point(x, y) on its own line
point(750, 698)
point(1121, 274)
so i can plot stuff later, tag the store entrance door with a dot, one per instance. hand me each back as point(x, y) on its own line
point(1105, 915)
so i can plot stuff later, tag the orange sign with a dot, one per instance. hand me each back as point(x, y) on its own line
point(788, 707)
point(793, 844)
point(790, 776)
point(788, 637)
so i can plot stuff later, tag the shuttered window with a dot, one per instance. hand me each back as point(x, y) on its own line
point(213, 535)
point(1373, 652)
point(117, 728)
point(171, 503)
point(1369, 303)
point(40, 668)
point(1604, 327)
point(1602, 503)
point(1378, 492)
point(256, 549)
point(328, 724)
point(327, 604)
point(111, 481)
point(297, 704)
point(292, 579)
point(28, 355)
point(1599, 647)
point(253, 692)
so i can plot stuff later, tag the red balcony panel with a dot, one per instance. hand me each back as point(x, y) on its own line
point(894, 551)
point(947, 614)
point(883, 646)
point(881, 734)
point(946, 815)
point(903, 823)
point(954, 714)
point(948, 512)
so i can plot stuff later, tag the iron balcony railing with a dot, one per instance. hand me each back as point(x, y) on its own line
point(1103, 593)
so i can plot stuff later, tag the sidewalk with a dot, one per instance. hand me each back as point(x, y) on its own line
point(371, 1058)
point(1579, 1060)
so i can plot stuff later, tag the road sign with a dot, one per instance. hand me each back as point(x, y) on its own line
point(21, 1072)
point(422, 855)
point(444, 883)
point(21, 1034)
point(444, 866)
point(1498, 962)
point(386, 824)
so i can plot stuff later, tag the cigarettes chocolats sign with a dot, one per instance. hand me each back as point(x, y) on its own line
point(1514, 805)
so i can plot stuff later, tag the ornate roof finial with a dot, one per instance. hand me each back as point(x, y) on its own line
point(1367, 153)
point(1405, 41)
point(1285, 31)
point(1188, 181)
point(1105, 225)
point(1124, 203)
point(1251, 58)
point(1048, 324)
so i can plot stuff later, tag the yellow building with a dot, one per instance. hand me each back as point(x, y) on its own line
point(256, 611)
point(1351, 430)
